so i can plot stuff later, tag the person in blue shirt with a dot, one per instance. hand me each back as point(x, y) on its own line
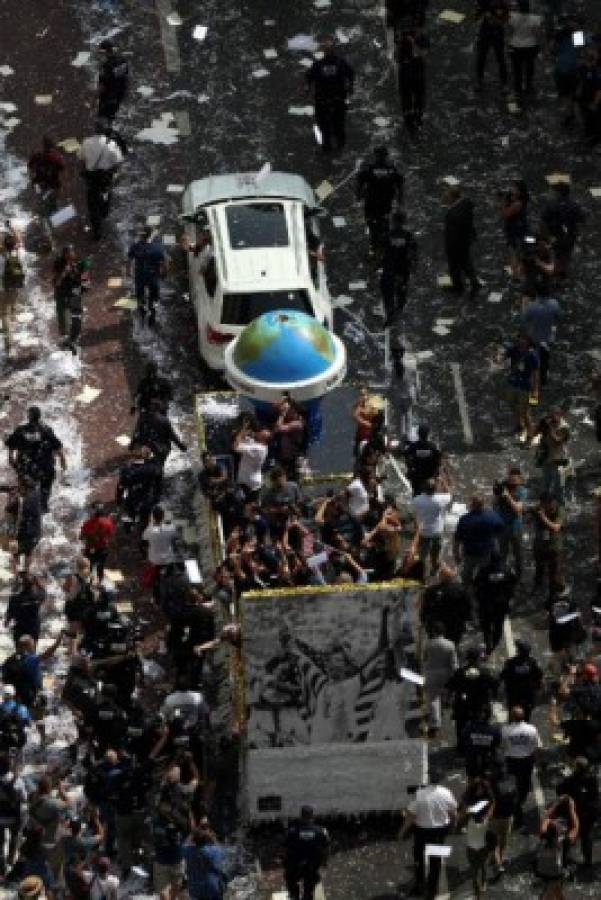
point(523, 380)
point(149, 264)
point(510, 496)
point(538, 324)
point(10, 706)
point(476, 537)
point(205, 862)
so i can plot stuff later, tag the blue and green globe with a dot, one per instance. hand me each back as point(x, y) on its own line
point(283, 347)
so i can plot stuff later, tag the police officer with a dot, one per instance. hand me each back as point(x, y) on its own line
point(423, 459)
point(154, 429)
point(307, 847)
point(333, 80)
point(481, 739)
point(522, 677)
point(149, 263)
point(138, 488)
point(113, 80)
point(152, 386)
point(493, 16)
point(32, 450)
point(494, 585)
point(473, 687)
point(562, 217)
point(398, 262)
point(379, 183)
point(583, 788)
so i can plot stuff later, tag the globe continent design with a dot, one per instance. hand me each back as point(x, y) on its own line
point(283, 347)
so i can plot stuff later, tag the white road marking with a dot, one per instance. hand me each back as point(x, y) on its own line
point(387, 367)
point(169, 40)
point(182, 121)
point(462, 404)
point(508, 635)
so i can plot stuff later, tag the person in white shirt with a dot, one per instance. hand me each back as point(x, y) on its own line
point(440, 662)
point(102, 885)
point(524, 42)
point(429, 509)
point(477, 847)
point(252, 449)
point(520, 742)
point(159, 535)
point(432, 812)
point(101, 156)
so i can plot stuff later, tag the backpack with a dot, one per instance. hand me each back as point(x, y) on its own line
point(14, 273)
point(13, 672)
point(10, 801)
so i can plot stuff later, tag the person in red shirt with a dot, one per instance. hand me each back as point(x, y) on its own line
point(97, 533)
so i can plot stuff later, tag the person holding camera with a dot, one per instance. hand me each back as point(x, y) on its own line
point(514, 212)
point(552, 454)
point(509, 498)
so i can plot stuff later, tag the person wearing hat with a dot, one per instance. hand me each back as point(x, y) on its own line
point(149, 260)
point(113, 80)
point(522, 677)
point(379, 185)
point(31, 888)
point(582, 786)
point(307, 846)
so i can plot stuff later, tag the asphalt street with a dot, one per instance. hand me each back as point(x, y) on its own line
point(231, 102)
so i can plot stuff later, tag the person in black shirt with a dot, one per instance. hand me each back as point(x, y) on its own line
point(522, 677)
point(446, 601)
point(113, 81)
point(494, 585)
point(562, 216)
point(333, 80)
point(459, 234)
point(493, 16)
point(423, 459)
point(32, 450)
point(138, 488)
point(398, 262)
point(588, 95)
point(154, 429)
point(24, 606)
point(379, 184)
point(473, 687)
point(481, 739)
point(307, 847)
point(152, 386)
point(411, 50)
point(583, 788)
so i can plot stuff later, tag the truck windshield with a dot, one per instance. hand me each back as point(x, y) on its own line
point(240, 309)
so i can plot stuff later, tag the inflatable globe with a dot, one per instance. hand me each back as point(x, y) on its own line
point(285, 351)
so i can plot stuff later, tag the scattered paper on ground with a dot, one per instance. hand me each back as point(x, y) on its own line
point(70, 145)
point(114, 281)
point(444, 281)
point(451, 180)
point(88, 394)
point(260, 73)
point(342, 301)
point(339, 221)
point(6, 70)
point(82, 58)
point(440, 330)
point(145, 90)
point(169, 240)
point(513, 107)
point(123, 440)
point(558, 178)
point(63, 215)
point(175, 188)
point(446, 322)
point(43, 99)
point(357, 285)
point(495, 297)
point(8, 106)
point(423, 355)
point(381, 121)
point(200, 32)
point(126, 303)
point(270, 53)
point(158, 133)
point(451, 15)
point(322, 4)
point(174, 19)
point(192, 571)
point(323, 190)
point(300, 110)
point(303, 42)
point(153, 220)
point(595, 191)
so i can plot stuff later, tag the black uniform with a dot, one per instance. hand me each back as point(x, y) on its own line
point(113, 82)
point(583, 788)
point(522, 677)
point(154, 429)
point(403, 12)
point(493, 16)
point(24, 610)
point(562, 216)
point(153, 387)
point(459, 234)
point(36, 445)
point(398, 261)
point(494, 586)
point(472, 688)
point(411, 48)
point(379, 183)
point(333, 80)
point(423, 459)
point(448, 603)
point(480, 741)
point(306, 851)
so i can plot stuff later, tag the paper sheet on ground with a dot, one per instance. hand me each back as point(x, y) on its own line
point(88, 394)
point(323, 190)
point(303, 42)
point(63, 215)
point(123, 440)
point(153, 221)
point(82, 59)
point(270, 53)
point(451, 15)
point(125, 303)
point(114, 575)
point(451, 180)
point(174, 19)
point(193, 572)
point(558, 178)
point(115, 281)
point(70, 145)
point(200, 32)
point(444, 281)
point(175, 188)
point(339, 221)
point(357, 285)
point(495, 297)
point(300, 110)
point(43, 99)
point(259, 73)
point(595, 191)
